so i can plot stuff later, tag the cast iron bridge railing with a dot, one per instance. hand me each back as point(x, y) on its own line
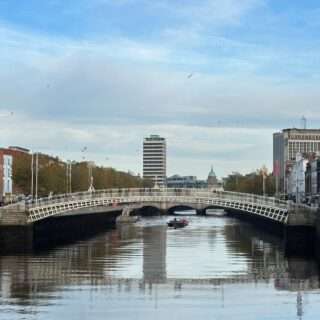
point(267, 207)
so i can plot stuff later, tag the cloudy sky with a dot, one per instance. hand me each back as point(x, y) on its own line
point(215, 77)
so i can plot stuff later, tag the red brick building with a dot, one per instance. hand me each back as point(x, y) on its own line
point(5, 170)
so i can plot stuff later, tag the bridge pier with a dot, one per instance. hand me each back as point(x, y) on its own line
point(13, 215)
point(16, 235)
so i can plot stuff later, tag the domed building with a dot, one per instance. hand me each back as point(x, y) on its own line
point(212, 180)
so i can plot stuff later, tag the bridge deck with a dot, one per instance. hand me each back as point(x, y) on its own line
point(271, 208)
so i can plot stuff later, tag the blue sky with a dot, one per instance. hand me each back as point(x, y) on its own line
point(105, 73)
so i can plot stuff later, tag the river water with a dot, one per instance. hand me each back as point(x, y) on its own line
point(216, 268)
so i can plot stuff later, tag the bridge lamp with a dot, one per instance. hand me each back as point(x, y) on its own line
point(69, 176)
point(264, 173)
point(90, 167)
point(34, 175)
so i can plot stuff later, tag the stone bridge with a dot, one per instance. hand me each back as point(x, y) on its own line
point(164, 199)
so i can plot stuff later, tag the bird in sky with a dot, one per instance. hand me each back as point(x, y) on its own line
point(190, 75)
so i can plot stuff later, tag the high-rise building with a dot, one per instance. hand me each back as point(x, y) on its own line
point(286, 145)
point(155, 159)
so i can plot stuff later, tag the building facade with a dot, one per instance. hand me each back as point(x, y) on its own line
point(286, 145)
point(7, 157)
point(6, 162)
point(177, 181)
point(212, 180)
point(312, 182)
point(296, 181)
point(155, 159)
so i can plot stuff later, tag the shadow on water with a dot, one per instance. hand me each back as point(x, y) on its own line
point(54, 232)
point(105, 256)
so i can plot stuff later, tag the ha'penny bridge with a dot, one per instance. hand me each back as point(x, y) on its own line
point(164, 199)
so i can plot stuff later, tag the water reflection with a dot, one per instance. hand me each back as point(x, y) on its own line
point(154, 254)
point(215, 254)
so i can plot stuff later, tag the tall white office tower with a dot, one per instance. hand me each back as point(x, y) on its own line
point(155, 160)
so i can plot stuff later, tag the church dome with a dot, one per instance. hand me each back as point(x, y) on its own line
point(212, 180)
point(211, 173)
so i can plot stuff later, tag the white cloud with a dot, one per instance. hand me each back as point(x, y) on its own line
point(108, 94)
point(191, 149)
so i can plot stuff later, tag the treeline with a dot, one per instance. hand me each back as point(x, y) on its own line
point(52, 176)
point(251, 183)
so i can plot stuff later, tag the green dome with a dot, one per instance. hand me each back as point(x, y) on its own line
point(211, 173)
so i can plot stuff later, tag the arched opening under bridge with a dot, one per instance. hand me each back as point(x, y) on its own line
point(182, 210)
point(215, 211)
point(149, 211)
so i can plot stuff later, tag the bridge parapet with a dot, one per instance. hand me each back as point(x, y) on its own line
point(163, 192)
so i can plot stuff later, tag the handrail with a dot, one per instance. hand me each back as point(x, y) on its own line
point(177, 192)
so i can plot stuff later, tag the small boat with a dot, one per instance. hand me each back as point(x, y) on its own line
point(177, 223)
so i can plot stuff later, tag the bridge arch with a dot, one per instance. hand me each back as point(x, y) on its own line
point(180, 207)
point(149, 210)
point(214, 207)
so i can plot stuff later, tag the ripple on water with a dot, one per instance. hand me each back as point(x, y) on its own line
point(216, 267)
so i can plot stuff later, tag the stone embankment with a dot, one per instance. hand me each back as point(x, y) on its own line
point(13, 215)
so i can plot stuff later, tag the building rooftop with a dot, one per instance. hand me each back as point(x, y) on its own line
point(154, 137)
point(21, 149)
point(301, 130)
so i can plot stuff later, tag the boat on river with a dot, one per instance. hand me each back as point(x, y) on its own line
point(177, 223)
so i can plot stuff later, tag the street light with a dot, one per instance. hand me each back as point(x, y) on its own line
point(69, 176)
point(90, 166)
point(264, 173)
point(34, 162)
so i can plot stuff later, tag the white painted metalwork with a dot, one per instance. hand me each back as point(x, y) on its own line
point(267, 207)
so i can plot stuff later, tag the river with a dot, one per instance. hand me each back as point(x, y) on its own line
point(215, 268)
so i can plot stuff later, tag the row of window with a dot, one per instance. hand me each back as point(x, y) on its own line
point(147, 146)
point(302, 147)
point(155, 167)
point(160, 162)
point(304, 137)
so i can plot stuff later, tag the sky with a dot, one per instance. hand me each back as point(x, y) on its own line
point(215, 77)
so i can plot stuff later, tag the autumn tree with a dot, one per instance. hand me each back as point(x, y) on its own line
point(52, 176)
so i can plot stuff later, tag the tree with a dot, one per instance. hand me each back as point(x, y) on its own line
point(52, 176)
point(251, 182)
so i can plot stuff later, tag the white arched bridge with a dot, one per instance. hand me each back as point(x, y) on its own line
point(164, 199)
